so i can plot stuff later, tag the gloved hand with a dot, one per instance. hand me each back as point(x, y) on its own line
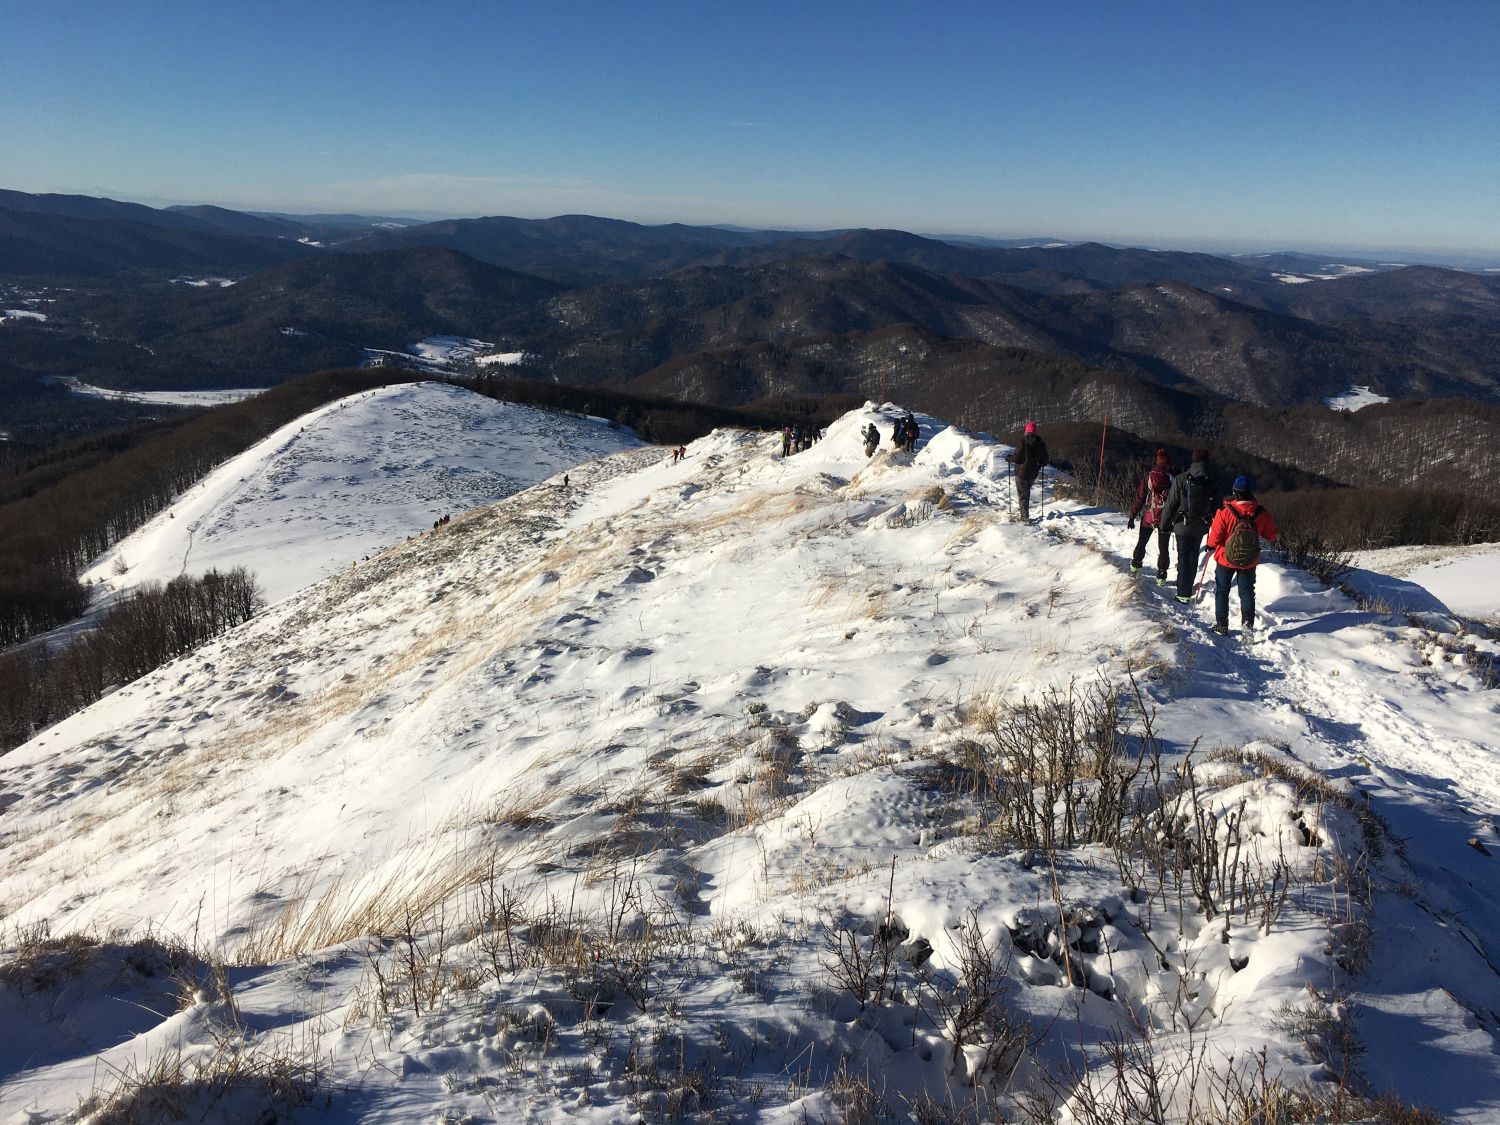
point(1130, 524)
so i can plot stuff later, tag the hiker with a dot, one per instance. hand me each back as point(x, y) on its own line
point(1235, 540)
point(1028, 459)
point(1189, 509)
point(1150, 499)
point(909, 429)
point(786, 441)
point(898, 434)
point(872, 440)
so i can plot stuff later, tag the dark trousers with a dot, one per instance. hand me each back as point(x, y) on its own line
point(1226, 576)
point(1188, 543)
point(1023, 493)
point(1162, 561)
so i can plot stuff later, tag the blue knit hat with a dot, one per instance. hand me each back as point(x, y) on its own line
point(1244, 484)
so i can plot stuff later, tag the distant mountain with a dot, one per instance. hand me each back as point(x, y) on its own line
point(72, 239)
point(37, 244)
point(1169, 332)
point(574, 249)
point(93, 207)
point(307, 315)
point(221, 220)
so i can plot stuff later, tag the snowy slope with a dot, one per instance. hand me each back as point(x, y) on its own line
point(1466, 579)
point(567, 812)
point(349, 480)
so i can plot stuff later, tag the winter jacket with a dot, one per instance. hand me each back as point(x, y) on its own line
point(1174, 513)
point(1159, 480)
point(1030, 456)
point(1224, 523)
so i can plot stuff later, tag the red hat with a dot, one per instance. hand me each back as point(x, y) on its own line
point(1031, 427)
point(1163, 457)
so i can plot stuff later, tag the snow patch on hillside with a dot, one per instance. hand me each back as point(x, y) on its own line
point(1355, 398)
point(349, 480)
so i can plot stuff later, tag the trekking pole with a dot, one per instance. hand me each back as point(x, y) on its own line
point(1099, 477)
point(1202, 574)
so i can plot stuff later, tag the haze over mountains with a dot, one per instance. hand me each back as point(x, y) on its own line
point(125, 295)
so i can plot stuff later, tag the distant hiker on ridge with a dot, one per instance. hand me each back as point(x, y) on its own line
point(1150, 499)
point(1191, 504)
point(872, 440)
point(1028, 459)
point(1235, 540)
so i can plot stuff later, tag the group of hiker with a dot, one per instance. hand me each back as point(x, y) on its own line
point(1189, 506)
point(795, 439)
point(904, 435)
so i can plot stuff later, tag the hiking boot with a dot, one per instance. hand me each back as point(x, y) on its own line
point(1161, 579)
point(1222, 628)
point(1135, 568)
point(1185, 599)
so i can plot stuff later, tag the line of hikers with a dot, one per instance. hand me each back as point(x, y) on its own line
point(1188, 506)
point(796, 439)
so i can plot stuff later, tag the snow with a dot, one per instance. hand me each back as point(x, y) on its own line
point(1465, 580)
point(439, 353)
point(695, 726)
point(204, 282)
point(1331, 272)
point(350, 479)
point(1355, 398)
point(163, 398)
point(21, 314)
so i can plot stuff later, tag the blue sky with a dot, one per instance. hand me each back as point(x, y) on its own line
point(1218, 124)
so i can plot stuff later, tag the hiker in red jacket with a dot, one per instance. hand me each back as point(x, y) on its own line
point(1150, 498)
point(1234, 538)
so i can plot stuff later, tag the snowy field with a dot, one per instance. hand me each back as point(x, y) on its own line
point(439, 353)
point(743, 788)
point(1465, 579)
point(1354, 398)
point(349, 480)
point(163, 398)
point(21, 314)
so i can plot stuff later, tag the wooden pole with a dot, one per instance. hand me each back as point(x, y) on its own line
point(1099, 477)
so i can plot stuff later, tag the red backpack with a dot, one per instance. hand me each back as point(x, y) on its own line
point(1158, 484)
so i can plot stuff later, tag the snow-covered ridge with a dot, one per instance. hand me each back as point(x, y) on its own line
point(715, 720)
point(350, 479)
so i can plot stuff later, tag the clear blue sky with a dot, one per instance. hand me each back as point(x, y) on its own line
point(1352, 123)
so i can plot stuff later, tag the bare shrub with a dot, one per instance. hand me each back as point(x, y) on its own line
point(255, 1082)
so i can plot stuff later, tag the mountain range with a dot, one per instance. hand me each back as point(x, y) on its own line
point(115, 293)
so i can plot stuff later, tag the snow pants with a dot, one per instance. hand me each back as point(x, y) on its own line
point(1162, 550)
point(1188, 543)
point(1245, 579)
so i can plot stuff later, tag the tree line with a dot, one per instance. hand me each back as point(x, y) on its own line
point(149, 626)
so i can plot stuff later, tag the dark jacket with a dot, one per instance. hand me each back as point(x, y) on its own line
point(1030, 456)
point(1174, 513)
point(1159, 479)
